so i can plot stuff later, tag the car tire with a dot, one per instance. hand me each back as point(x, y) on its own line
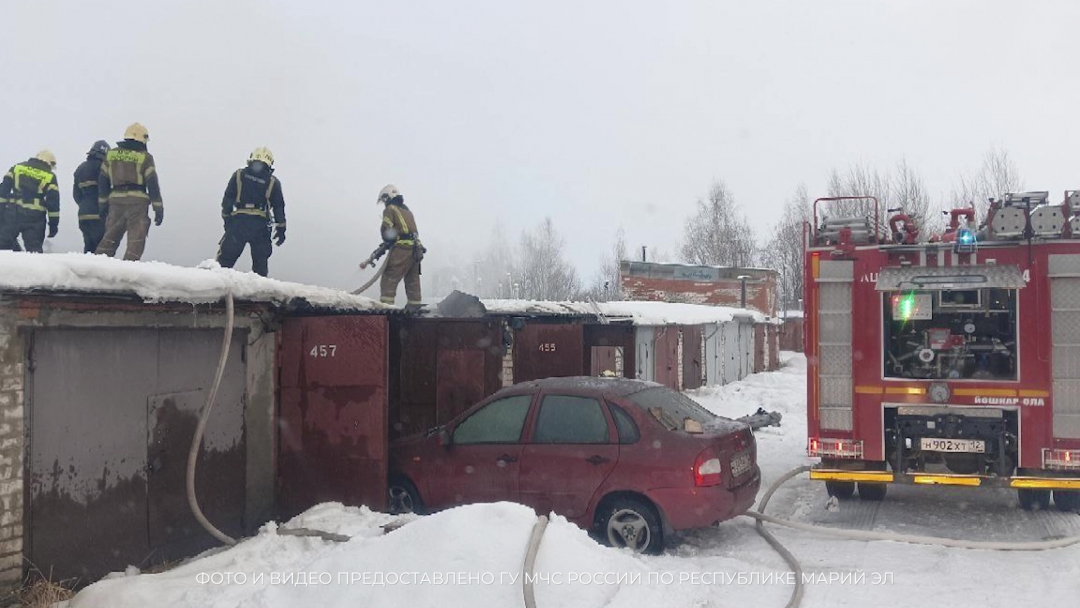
point(1033, 499)
point(403, 497)
point(632, 523)
point(1067, 500)
point(874, 492)
point(840, 489)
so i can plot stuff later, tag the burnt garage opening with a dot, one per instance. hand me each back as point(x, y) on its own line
point(111, 415)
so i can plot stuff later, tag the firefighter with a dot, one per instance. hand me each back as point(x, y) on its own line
point(252, 194)
point(85, 192)
point(400, 234)
point(127, 187)
point(31, 200)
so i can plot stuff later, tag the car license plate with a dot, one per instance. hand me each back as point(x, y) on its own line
point(740, 465)
point(938, 444)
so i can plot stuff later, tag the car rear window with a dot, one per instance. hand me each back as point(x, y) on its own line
point(671, 408)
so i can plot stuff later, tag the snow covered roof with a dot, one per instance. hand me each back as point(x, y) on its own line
point(160, 282)
point(639, 313)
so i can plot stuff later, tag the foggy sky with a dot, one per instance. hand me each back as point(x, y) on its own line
point(599, 114)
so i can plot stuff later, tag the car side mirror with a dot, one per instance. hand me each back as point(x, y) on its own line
point(444, 438)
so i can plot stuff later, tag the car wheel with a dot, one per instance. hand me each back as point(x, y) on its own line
point(402, 497)
point(1033, 499)
point(633, 523)
point(874, 492)
point(840, 489)
point(1067, 500)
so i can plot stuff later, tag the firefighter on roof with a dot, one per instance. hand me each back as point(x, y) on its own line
point(127, 187)
point(29, 198)
point(399, 232)
point(252, 194)
point(85, 192)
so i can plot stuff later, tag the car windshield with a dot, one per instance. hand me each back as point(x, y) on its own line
point(674, 410)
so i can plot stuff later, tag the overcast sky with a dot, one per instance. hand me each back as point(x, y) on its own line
point(598, 114)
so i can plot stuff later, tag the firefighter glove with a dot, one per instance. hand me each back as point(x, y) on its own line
point(54, 226)
point(159, 215)
point(279, 235)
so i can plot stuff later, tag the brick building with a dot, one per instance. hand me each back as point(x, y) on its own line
point(711, 285)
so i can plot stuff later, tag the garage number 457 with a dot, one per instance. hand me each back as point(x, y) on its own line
point(323, 350)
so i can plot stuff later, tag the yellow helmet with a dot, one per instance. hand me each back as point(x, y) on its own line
point(137, 132)
point(47, 157)
point(388, 193)
point(262, 154)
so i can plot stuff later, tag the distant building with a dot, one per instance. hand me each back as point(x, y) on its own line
point(710, 285)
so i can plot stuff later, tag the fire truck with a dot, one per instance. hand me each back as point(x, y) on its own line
point(949, 360)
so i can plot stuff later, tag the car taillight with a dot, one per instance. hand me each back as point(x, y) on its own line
point(835, 448)
point(707, 469)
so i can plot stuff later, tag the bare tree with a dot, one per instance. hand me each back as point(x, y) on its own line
point(717, 234)
point(901, 188)
point(784, 250)
point(998, 175)
point(492, 270)
point(607, 283)
point(541, 273)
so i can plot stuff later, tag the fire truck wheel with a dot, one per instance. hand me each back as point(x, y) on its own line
point(840, 489)
point(872, 491)
point(1034, 499)
point(1067, 500)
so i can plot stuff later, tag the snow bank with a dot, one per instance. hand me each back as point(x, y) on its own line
point(159, 282)
point(640, 313)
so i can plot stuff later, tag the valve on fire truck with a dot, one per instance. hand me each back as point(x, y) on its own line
point(902, 227)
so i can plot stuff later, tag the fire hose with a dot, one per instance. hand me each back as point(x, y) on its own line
point(375, 277)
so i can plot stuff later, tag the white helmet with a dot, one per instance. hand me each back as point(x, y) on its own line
point(46, 157)
point(388, 193)
point(137, 132)
point(263, 155)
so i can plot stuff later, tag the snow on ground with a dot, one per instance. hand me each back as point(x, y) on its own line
point(159, 282)
point(471, 556)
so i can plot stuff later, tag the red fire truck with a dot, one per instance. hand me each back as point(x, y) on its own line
point(950, 360)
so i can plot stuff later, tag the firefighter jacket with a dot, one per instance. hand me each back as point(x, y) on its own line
point(85, 189)
point(129, 171)
point(31, 185)
point(254, 194)
point(399, 225)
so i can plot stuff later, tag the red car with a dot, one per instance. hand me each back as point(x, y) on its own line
point(631, 461)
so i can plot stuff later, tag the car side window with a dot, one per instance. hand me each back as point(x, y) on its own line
point(497, 422)
point(628, 431)
point(568, 419)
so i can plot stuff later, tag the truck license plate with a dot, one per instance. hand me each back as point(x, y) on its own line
point(937, 444)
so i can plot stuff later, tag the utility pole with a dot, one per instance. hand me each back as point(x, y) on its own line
point(742, 292)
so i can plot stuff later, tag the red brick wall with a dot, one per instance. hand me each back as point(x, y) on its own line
point(791, 337)
point(760, 293)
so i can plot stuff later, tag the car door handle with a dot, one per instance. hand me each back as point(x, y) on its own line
point(597, 459)
point(506, 458)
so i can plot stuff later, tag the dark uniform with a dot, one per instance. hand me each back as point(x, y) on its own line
point(85, 192)
point(399, 227)
point(127, 186)
point(249, 199)
point(28, 197)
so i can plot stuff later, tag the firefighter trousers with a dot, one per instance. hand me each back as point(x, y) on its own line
point(27, 223)
point(243, 230)
point(127, 214)
point(402, 263)
point(92, 232)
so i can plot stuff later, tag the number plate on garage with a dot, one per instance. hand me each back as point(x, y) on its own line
point(740, 465)
point(937, 444)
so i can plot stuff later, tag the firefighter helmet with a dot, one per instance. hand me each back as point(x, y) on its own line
point(99, 149)
point(388, 193)
point(47, 157)
point(263, 155)
point(137, 132)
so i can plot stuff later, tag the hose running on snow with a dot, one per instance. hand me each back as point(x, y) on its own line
point(204, 417)
point(530, 561)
